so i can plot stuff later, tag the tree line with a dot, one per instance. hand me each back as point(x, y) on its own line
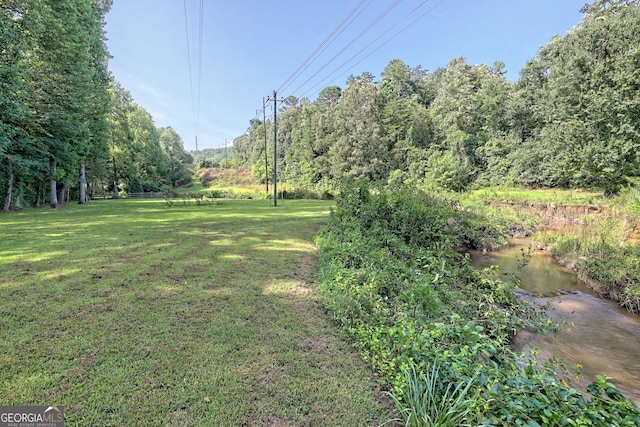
point(66, 125)
point(572, 119)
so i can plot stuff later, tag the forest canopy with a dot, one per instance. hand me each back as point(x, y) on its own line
point(65, 123)
point(572, 119)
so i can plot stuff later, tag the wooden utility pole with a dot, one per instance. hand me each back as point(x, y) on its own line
point(275, 149)
point(266, 161)
point(275, 145)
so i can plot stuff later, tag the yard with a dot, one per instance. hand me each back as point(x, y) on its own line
point(131, 312)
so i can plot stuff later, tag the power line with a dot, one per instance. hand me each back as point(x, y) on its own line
point(363, 32)
point(199, 63)
point(378, 38)
point(186, 27)
point(325, 43)
point(195, 97)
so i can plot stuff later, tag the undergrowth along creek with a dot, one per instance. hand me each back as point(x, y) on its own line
point(601, 252)
point(430, 324)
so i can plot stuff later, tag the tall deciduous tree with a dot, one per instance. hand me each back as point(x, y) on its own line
point(360, 149)
point(94, 148)
point(572, 119)
point(15, 91)
point(151, 163)
point(173, 147)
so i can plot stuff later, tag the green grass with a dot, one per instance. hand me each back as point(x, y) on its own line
point(514, 195)
point(195, 187)
point(129, 312)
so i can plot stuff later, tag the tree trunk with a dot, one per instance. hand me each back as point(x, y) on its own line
point(52, 184)
point(17, 206)
point(39, 198)
point(82, 200)
point(116, 194)
point(61, 193)
point(8, 185)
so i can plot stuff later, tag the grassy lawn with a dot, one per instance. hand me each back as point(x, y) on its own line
point(129, 312)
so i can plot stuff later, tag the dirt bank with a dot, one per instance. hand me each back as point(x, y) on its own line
point(592, 226)
point(553, 216)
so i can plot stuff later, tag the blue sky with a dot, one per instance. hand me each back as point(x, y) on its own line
point(249, 48)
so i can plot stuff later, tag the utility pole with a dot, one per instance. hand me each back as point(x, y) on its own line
point(266, 161)
point(275, 149)
point(196, 142)
point(275, 146)
point(226, 163)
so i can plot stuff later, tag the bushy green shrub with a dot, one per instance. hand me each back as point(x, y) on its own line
point(215, 194)
point(307, 194)
point(392, 279)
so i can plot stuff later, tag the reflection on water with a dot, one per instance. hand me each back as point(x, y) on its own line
point(600, 336)
point(541, 276)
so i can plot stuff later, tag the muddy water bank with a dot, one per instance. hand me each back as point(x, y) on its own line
point(598, 334)
point(599, 239)
point(552, 216)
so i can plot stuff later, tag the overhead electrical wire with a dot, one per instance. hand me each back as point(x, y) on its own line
point(186, 28)
point(376, 39)
point(399, 32)
point(200, 25)
point(325, 43)
point(344, 24)
point(356, 38)
point(195, 96)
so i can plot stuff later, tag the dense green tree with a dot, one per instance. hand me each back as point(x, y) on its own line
point(93, 150)
point(596, 83)
point(287, 130)
point(308, 163)
point(457, 116)
point(17, 156)
point(64, 124)
point(329, 97)
point(62, 75)
point(173, 147)
point(151, 163)
point(578, 104)
point(120, 153)
point(571, 119)
point(360, 149)
point(141, 156)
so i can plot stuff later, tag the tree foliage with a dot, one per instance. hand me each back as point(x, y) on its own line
point(65, 124)
point(570, 120)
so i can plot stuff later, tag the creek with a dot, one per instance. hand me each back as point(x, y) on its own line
point(598, 334)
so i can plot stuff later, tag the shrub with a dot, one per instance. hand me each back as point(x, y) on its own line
point(307, 194)
point(391, 277)
point(215, 194)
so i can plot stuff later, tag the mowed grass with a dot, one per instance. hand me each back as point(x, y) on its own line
point(129, 312)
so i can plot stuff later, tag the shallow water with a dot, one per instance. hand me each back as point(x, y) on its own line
point(599, 335)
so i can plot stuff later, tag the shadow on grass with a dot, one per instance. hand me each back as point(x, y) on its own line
point(130, 313)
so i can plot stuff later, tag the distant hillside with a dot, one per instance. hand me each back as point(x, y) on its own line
point(226, 177)
point(215, 154)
